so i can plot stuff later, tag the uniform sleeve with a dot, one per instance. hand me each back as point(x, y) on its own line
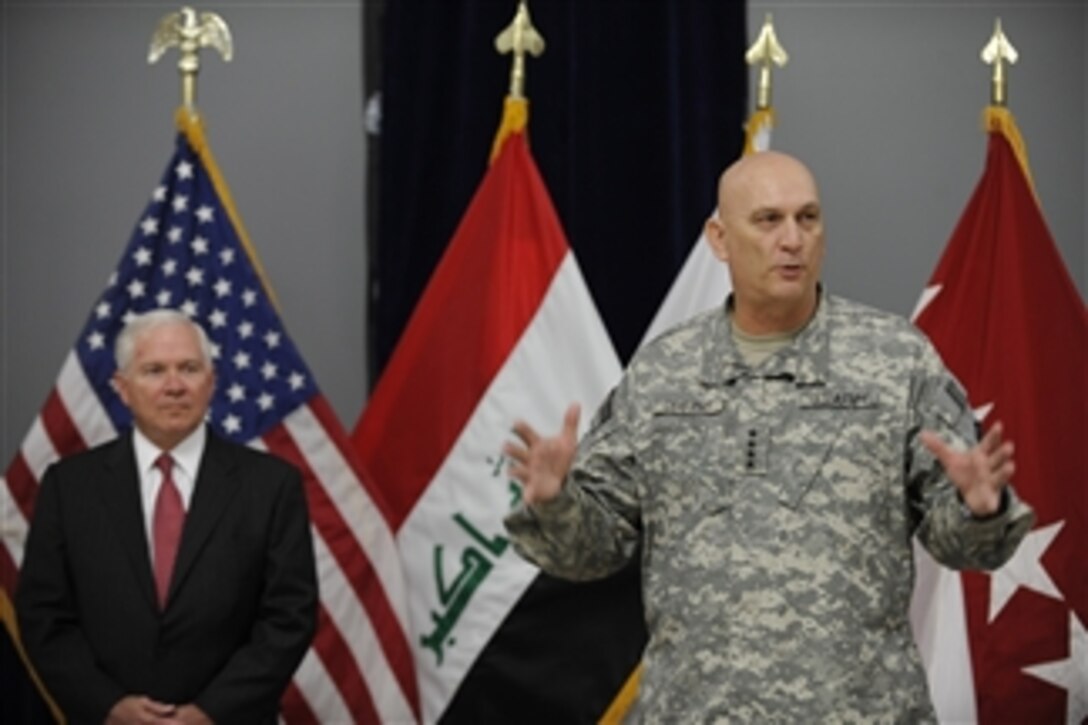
point(592, 528)
point(944, 526)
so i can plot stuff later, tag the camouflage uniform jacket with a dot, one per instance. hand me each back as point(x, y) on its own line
point(773, 510)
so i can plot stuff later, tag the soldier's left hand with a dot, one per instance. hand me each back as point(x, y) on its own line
point(980, 473)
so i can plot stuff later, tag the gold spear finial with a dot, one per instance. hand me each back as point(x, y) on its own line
point(996, 52)
point(518, 37)
point(183, 30)
point(765, 51)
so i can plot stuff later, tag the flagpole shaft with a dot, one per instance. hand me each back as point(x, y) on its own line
point(763, 99)
point(188, 89)
point(999, 86)
point(517, 76)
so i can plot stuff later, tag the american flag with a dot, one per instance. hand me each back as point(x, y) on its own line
point(187, 252)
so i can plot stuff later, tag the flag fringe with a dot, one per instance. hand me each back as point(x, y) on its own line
point(189, 123)
point(998, 119)
point(7, 615)
point(761, 118)
point(515, 118)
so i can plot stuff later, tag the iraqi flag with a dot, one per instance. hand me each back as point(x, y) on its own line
point(1010, 646)
point(505, 329)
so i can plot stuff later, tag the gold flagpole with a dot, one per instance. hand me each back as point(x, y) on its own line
point(190, 31)
point(998, 52)
point(765, 52)
point(518, 38)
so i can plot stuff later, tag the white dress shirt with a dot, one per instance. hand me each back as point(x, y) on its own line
point(186, 457)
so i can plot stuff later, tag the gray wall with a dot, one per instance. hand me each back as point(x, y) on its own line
point(88, 129)
point(882, 98)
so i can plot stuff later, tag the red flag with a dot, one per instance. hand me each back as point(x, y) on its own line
point(1009, 322)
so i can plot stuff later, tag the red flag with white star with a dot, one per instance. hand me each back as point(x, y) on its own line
point(1008, 321)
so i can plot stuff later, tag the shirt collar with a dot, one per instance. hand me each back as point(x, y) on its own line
point(186, 454)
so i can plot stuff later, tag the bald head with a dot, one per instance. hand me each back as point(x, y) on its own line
point(752, 174)
point(769, 228)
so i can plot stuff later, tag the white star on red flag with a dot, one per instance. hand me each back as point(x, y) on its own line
point(1025, 569)
point(1070, 674)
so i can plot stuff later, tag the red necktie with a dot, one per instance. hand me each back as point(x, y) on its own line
point(166, 527)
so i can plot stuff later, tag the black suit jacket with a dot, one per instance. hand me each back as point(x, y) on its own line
point(242, 606)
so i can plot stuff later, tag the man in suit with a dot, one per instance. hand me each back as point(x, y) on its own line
point(168, 588)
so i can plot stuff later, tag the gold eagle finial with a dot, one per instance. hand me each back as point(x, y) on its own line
point(190, 32)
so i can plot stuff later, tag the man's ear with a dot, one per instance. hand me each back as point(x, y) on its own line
point(715, 237)
point(118, 384)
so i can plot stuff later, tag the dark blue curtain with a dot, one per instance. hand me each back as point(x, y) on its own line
point(635, 108)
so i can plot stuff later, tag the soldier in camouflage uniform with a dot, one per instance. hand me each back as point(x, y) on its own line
point(770, 463)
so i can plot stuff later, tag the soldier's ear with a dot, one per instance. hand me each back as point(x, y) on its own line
point(715, 234)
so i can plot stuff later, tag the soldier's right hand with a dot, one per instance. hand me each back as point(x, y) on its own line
point(539, 463)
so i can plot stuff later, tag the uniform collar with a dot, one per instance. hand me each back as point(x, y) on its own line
point(804, 361)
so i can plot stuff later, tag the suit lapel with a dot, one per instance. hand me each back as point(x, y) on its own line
point(120, 491)
point(214, 490)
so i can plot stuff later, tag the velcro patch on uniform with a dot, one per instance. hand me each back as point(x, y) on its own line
point(951, 402)
point(941, 402)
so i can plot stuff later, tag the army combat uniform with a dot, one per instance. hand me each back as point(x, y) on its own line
point(773, 510)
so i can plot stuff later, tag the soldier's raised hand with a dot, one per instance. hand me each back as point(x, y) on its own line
point(541, 463)
point(980, 473)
